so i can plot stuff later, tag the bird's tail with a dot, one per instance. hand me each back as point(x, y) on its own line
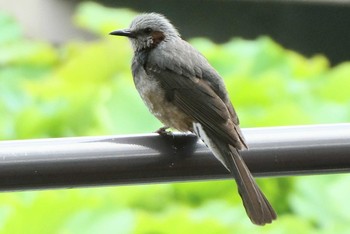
point(256, 204)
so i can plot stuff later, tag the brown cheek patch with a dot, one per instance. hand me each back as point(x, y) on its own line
point(157, 37)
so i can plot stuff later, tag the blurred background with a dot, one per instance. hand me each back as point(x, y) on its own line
point(284, 63)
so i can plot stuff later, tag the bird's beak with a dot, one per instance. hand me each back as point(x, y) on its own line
point(123, 32)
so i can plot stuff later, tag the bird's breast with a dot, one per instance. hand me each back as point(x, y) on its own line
point(154, 96)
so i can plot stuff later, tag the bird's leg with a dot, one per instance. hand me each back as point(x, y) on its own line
point(163, 131)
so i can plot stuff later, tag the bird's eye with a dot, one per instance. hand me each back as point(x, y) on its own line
point(148, 30)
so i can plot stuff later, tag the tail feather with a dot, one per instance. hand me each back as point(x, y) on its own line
point(255, 203)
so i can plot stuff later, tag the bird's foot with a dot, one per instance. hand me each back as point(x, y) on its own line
point(163, 131)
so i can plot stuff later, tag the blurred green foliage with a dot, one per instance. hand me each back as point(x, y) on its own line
point(85, 88)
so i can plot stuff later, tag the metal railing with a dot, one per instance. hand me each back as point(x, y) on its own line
point(150, 158)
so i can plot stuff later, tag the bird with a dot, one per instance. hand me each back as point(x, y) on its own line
point(181, 89)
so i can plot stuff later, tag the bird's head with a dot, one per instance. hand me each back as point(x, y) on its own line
point(148, 30)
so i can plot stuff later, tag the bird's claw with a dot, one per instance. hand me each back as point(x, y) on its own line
point(163, 131)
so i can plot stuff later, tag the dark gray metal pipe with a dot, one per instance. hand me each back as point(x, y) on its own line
point(130, 159)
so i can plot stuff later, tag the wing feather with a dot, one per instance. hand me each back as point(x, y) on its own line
point(196, 98)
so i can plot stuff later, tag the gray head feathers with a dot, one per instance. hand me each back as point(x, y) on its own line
point(156, 22)
point(149, 30)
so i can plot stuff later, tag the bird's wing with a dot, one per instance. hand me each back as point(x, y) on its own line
point(193, 85)
point(196, 98)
